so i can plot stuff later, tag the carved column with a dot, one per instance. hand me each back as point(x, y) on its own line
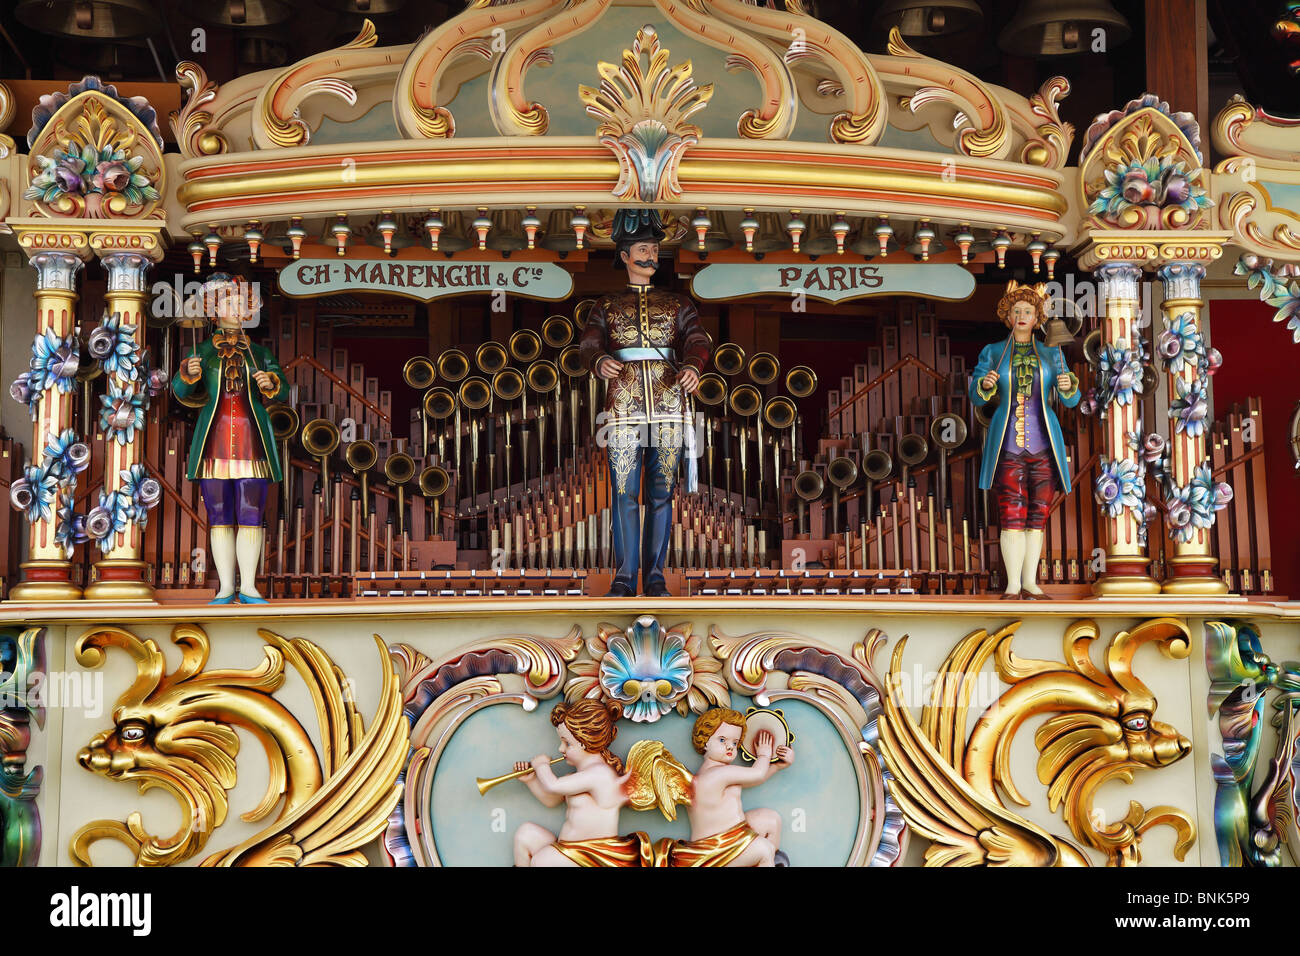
point(1192, 568)
point(120, 574)
point(1127, 563)
point(47, 573)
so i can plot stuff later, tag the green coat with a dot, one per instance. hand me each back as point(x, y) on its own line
point(209, 384)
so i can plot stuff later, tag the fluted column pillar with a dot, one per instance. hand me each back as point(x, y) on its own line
point(1192, 568)
point(119, 573)
point(1127, 568)
point(47, 572)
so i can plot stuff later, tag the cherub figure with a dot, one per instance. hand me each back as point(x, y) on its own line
point(593, 794)
point(722, 832)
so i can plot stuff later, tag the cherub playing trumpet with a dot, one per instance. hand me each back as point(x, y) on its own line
point(722, 833)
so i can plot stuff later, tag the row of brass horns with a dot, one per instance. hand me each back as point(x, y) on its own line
point(877, 465)
point(809, 485)
point(491, 358)
point(557, 331)
point(399, 468)
point(439, 402)
point(948, 431)
point(912, 448)
point(801, 381)
point(745, 400)
point(842, 471)
point(542, 376)
point(419, 372)
point(453, 365)
point(508, 384)
point(361, 455)
point(779, 412)
point(763, 368)
point(571, 364)
point(284, 421)
point(434, 482)
point(475, 392)
point(525, 345)
point(320, 437)
point(581, 311)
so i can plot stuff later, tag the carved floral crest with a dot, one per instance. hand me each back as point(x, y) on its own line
point(95, 156)
point(1141, 168)
point(644, 111)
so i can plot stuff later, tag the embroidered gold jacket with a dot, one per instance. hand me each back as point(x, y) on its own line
point(643, 317)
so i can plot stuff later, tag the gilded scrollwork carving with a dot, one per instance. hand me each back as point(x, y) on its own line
point(276, 118)
point(951, 786)
point(985, 131)
point(192, 124)
point(177, 732)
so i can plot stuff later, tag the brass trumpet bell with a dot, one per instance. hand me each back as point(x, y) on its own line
point(1092, 348)
point(399, 468)
point(320, 437)
point(809, 485)
point(763, 368)
point(453, 365)
point(284, 421)
point(580, 313)
point(419, 372)
point(570, 362)
point(557, 331)
point(913, 448)
point(842, 472)
point(801, 381)
point(729, 358)
point(745, 400)
point(434, 482)
point(491, 358)
point(439, 402)
point(507, 384)
point(525, 345)
point(984, 415)
point(361, 456)
point(948, 431)
point(542, 376)
point(712, 389)
point(877, 465)
point(779, 412)
point(475, 393)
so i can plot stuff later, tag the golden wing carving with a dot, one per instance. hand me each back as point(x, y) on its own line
point(656, 779)
point(360, 788)
point(966, 828)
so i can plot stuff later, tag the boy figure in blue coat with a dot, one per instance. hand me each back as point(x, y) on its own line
point(1024, 450)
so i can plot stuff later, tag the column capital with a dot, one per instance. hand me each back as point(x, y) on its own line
point(56, 271)
point(1182, 279)
point(126, 271)
point(1119, 280)
point(147, 239)
point(1151, 247)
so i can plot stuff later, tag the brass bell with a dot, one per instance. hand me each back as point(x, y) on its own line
point(919, 18)
point(1058, 334)
point(1062, 27)
point(88, 19)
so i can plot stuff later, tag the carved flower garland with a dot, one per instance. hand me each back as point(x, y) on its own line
point(650, 670)
point(1279, 286)
point(53, 364)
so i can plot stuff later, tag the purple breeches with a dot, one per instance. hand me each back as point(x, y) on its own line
point(234, 501)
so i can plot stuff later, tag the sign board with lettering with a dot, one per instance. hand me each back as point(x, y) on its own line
point(831, 281)
point(425, 279)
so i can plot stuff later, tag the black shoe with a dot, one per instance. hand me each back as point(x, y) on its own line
point(619, 589)
point(657, 589)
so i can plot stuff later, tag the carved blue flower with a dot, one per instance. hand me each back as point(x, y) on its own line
point(1119, 486)
point(1192, 506)
point(141, 491)
point(107, 518)
point(122, 414)
point(1181, 343)
point(71, 528)
point(54, 362)
point(33, 493)
point(1191, 408)
point(647, 669)
point(114, 344)
point(65, 457)
point(1119, 374)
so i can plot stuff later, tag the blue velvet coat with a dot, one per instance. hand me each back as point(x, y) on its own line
point(997, 357)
